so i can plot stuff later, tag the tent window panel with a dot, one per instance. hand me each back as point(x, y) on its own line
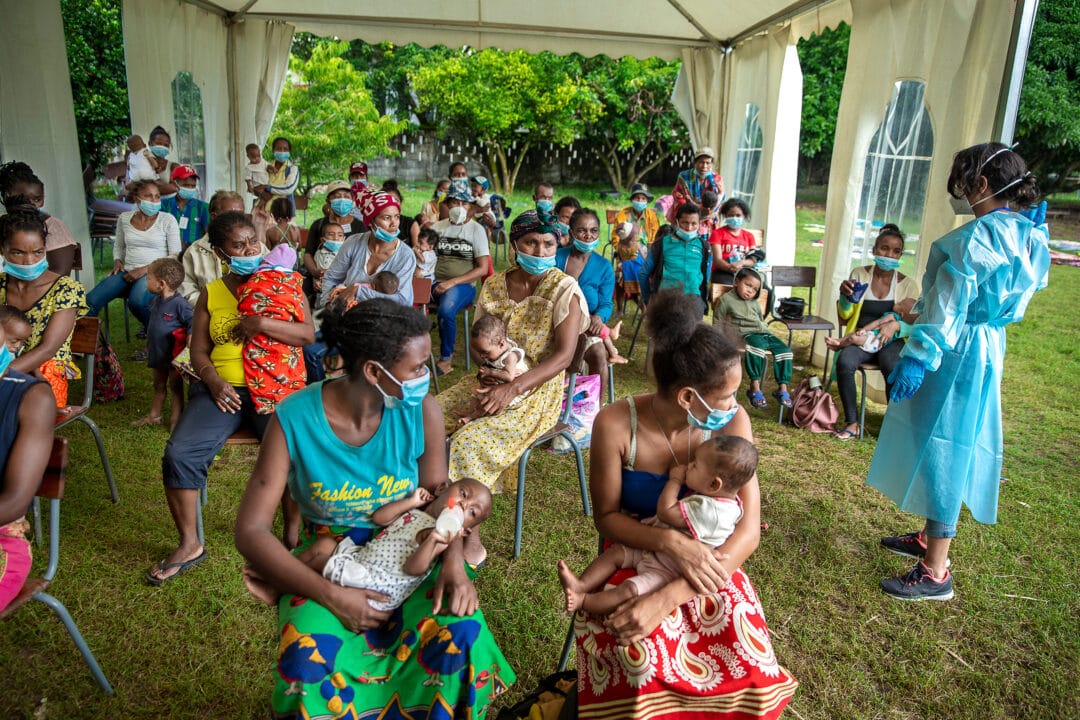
point(189, 142)
point(897, 170)
point(748, 157)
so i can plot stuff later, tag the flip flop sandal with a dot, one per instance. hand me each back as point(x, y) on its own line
point(845, 435)
point(783, 397)
point(757, 398)
point(181, 568)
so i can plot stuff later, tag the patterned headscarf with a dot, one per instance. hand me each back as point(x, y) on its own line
point(372, 202)
point(529, 222)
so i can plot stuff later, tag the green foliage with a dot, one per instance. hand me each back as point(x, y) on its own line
point(327, 113)
point(387, 67)
point(508, 102)
point(641, 127)
point(1048, 126)
point(824, 61)
point(95, 52)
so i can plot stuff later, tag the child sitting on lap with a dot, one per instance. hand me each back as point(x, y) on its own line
point(719, 468)
point(385, 282)
point(499, 357)
point(18, 330)
point(169, 313)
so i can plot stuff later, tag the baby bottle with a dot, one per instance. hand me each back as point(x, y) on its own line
point(450, 521)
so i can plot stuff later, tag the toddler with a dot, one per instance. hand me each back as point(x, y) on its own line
point(742, 309)
point(273, 369)
point(138, 161)
point(255, 173)
point(166, 334)
point(483, 213)
point(424, 250)
point(499, 358)
point(18, 330)
point(719, 468)
point(331, 238)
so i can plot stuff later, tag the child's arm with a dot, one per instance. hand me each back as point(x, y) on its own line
point(667, 507)
point(430, 548)
point(391, 511)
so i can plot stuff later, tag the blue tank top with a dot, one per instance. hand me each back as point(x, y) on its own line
point(13, 386)
point(335, 483)
point(640, 489)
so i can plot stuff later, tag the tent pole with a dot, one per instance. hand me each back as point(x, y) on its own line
point(234, 104)
point(1015, 60)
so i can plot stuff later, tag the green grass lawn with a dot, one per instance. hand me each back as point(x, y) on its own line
point(1006, 647)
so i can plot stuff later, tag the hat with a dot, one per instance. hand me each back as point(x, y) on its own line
point(337, 185)
point(704, 151)
point(358, 168)
point(481, 181)
point(459, 190)
point(642, 189)
point(530, 222)
point(180, 172)
point(373, 202)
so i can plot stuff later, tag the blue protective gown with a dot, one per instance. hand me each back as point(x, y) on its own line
point(943, 447)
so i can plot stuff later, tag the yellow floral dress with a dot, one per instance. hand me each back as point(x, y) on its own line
point(488, 448)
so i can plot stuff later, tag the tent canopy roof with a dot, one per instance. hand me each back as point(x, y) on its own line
point(644, 28)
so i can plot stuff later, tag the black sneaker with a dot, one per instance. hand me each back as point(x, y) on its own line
point(912, 545)
point(918, 584)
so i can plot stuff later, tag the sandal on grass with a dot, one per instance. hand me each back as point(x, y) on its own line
point(783, 397)
point(845, 435)
point(757, 398)
point(181, 568)
point(147, 420)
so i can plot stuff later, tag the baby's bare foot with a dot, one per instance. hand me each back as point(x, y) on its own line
point(575, 592)
point(614, 331)
point(617, 360)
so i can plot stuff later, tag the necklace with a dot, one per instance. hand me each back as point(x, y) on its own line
point(663, 434)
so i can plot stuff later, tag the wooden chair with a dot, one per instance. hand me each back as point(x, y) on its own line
point(421, 288)
point(561, 429)
point(52, 488)
point(84, 342)
point(801, 276)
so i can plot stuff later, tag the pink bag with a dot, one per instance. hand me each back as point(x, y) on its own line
point(813, 409)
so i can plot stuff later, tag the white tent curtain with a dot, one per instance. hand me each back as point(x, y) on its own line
point(699, 95)
point(37, 121)
point(959, 50)
point(262, 61)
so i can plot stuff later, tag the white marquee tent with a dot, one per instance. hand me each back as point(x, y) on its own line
point(967, 56)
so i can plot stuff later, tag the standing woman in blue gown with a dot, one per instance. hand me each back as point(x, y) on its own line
point(945, 443)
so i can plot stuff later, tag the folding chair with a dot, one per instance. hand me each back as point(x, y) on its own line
point(421, 289)
point(84, 342)
point(801, 276)
point(52, 488)
point(561, 429)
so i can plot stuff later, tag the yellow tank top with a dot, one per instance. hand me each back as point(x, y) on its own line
point(225, 353)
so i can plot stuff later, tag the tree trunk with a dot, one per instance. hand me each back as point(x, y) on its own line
point(638, 174)
point(517, 166)
point(604, 155)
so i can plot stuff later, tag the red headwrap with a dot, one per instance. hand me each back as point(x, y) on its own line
point(373, 202)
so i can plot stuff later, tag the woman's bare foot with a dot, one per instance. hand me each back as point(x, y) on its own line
point(575, 592)
point(147, 420)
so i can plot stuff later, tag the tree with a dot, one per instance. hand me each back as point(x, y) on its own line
point(823, 58)
point(641, 127)
point(1048, 125)
point(508, 102)
point(95, 53)
point(328, 115)
point(387, 67)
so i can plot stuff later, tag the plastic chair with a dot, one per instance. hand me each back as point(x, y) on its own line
point(84, 342)
point(801, 276)
point(561, 429)
point(52, 488)
point(421, 288)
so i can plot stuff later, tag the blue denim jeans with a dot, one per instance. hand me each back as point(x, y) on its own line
point(936, 529)
point(313, 359)
point(115, 286)
point(451, 303)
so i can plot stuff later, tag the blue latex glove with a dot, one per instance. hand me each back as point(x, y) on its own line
point(906, 379)
point(1035, 213)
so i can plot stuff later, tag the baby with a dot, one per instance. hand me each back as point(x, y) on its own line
point(868, 337)
point(631, 258)
point(18, 330)
point(499, 357)
point(138, 160)
point(483, 214)
point(255, 173)
point(397, 560)
point(385, 282)
point(719, 468)
point(16, 327)
point(424, 250)
point(331, 238)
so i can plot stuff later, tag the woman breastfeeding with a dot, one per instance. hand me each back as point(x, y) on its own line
point(344, 448)
point(700, 644)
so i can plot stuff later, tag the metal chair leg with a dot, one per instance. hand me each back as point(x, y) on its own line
point(862, 405)
point(434, 374)
point(568, 645)
point(586, 507)
point(80, 643)
point(468, 354)
point(520, 512)
point(610, 383)
point(37, 521)
point(633, 341)
point(104, 456)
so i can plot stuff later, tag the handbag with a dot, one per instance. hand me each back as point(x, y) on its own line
point(791, 308)
point(812, 408)
point(108, 376)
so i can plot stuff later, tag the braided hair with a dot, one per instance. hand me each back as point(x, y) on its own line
point(13, 174)
point(21, 218)
point(376, 329)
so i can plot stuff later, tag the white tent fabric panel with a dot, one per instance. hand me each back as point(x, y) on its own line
point(959, 49)
point(262, 60)
point(37, 122)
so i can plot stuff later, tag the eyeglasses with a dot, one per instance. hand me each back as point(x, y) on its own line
point(589, 232)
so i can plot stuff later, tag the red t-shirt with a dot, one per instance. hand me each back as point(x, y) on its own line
point(732, 243)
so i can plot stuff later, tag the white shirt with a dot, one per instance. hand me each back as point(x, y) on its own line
point(136, 248)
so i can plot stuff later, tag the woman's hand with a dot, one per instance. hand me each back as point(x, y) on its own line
point(117, 267)
point(847, 287)
point(133, 275)
point(489, 377)
point(442, 287)
point(496, 398)
point(247, 328)
point(888, 330)
point(224, 394)
point(637, 618)
point(454, 586)
point(596, 325)
point(351, 607)
point(697, 563)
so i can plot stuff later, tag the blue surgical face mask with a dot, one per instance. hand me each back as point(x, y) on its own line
point(342, 206)
point(544, 206)
point(384, 235)
point(281, 156)
point(332, 245)
point(716, 419)
point(535, 265)
point(639, 205)
point(734, 222)
point(412, 391)
point(687, 235)
point(149, 208)
point(586, 247)
point(886, 263)
point(27, 272)
point(5, 358)
point(186, 193)
point(244, 264)
point(159, 151)
point(563, 228)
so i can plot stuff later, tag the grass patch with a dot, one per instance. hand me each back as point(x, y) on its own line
point(199, 647)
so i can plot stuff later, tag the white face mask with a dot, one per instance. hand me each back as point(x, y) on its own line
point(458, 215)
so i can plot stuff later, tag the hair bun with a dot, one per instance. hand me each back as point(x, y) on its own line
point(672, 318)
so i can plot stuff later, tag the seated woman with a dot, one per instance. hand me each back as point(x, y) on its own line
point(19, 186)
point(220, 403)
point(596, 278)
point(378, 436)
point(142, 236)
point(26, 435)
point(544, 312)
point(887, 291)
point(701, 642)
point(52, 303)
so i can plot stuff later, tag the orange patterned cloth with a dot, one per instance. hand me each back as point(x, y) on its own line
point(56, 374)
point(272, 369)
